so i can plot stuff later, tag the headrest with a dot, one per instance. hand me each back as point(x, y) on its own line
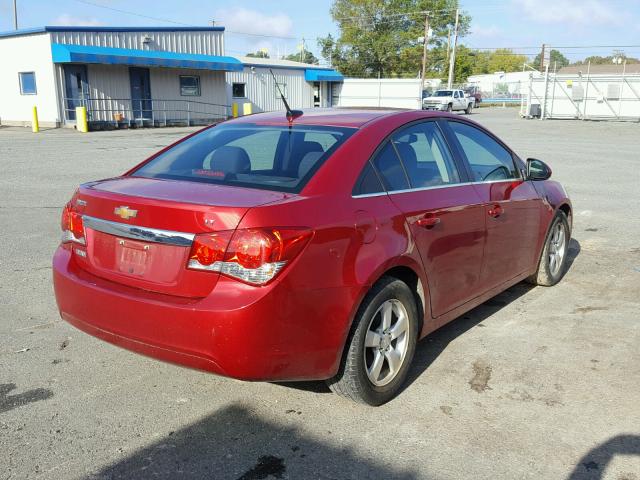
point(229, 159)
point(408, 154)
point(307, 163)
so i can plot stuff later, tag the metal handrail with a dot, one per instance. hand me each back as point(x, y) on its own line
point(144, 111)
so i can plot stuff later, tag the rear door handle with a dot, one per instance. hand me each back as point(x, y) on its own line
point(495, 211)
point(428, 222)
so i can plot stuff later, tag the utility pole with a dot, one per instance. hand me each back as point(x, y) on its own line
point(542, 54)
point(452, 60)
point(424, 48)
point(448, 43)
point(15, 15)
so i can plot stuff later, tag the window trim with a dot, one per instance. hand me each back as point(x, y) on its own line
point(466, 176)
point(199, 94)
point(35, 84)
point(244, 89)
point(460, 151)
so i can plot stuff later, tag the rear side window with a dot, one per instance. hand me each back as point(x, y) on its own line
point(489, 160)
point(273, 158)
point(426, 156)
point(390, 169)
point(368, 182)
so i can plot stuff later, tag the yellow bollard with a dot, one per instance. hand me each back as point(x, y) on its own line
point(35, 125)
point(81, 119)
point(234, 110)
point(246, 108)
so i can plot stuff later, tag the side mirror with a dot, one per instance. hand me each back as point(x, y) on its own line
point(537, 169)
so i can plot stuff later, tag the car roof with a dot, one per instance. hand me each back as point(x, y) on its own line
point(335, 117)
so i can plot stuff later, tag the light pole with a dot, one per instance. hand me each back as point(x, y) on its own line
point(15, 15)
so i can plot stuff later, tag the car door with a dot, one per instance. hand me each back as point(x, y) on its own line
point(457, 100)
point(512, 205)
point(443, 211)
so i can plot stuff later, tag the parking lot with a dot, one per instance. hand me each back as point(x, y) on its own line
point(537, 383)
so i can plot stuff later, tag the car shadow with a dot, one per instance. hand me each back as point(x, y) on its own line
point(593, 465)
point(237, 443)
point(431, 346)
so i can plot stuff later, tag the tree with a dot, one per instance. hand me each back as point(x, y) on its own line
point(383, 37)
point(555, 58)
point(307, 57)
point(504, 60)
point(598, 60)
point(259, 54)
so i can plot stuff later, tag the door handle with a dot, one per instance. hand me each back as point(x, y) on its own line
point(495, 211)
point(428, 222)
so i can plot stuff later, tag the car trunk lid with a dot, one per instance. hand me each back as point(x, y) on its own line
point(139, 231)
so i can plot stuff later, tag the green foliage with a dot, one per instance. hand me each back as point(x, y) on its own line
point(556, 58)
point(382, 37)
point(598, 60)
point(306, 57)
point(258, 54)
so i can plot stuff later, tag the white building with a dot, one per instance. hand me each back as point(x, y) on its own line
point(502, 85)
point(141, 76)
point(303, 85)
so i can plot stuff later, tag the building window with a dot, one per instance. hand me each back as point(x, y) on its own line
point(27, 83)
point(190, 85)
point(238, 90)
point(283, 88)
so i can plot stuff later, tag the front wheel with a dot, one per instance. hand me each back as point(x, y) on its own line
point(553, 261)
point(449, 108)
point(381, 345)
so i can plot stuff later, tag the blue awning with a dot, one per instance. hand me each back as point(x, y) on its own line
point(121, 56)
point(319, 75)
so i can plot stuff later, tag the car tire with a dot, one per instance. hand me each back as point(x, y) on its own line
point(468, 109)
point(449, 108)
point(359, 377)
point(553, 261)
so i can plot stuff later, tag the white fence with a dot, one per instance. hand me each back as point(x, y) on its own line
point(385, 92)
point(584, 97)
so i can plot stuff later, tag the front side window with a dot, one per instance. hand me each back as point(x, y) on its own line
point(489, 160)
point(189, 85)
point(425, 156)
point(390, 169)
point(238, 90)
point(272, 158)
point(27, 83)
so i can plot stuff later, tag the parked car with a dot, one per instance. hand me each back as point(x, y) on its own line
point(474, 92)
point(320, 248)
point(449, 101)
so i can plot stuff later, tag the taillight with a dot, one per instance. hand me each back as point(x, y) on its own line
point(254, 255)
point(71, 224)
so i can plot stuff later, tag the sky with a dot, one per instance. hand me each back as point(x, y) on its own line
point(279, 26)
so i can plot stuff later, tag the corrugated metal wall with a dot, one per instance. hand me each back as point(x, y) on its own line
point(204, 42)
point(260, 89)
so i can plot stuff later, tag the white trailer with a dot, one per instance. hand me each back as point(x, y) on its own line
point(384, 92)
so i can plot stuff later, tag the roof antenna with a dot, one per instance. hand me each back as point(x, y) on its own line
point(291, 114)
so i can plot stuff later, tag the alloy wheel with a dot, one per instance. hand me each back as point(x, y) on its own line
point(386, 342)
point(557, 248)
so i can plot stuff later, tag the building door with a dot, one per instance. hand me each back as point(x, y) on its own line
point(316, 94)
point(140, 93)
point(76, 89)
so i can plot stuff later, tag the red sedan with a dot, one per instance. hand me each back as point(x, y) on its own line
point(320, 248)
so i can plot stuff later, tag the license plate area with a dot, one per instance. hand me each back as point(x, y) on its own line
point(132, 258)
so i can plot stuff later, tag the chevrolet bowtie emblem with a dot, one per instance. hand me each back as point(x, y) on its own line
point(125, 212)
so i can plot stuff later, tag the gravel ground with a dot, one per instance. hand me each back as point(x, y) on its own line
point(536, 383)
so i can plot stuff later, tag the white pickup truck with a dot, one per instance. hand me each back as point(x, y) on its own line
point(449, 100)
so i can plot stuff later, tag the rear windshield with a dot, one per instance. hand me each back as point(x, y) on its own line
point(257, 156)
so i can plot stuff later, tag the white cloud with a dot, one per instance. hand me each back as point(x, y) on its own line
point(252, 21)
point(570, 12)
point(485, 32)
point(68, 20)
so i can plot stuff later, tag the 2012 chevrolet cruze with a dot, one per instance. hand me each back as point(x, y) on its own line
point(320, 247)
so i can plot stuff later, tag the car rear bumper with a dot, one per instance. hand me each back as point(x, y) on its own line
point(269, 333)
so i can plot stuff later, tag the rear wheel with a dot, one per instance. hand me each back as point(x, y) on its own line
point(381, 345)
point(468, 109)
point(553, 261)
